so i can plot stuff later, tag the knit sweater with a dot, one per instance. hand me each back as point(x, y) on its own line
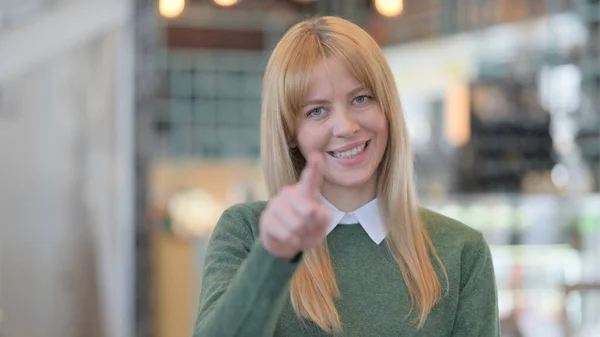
point(245, 290)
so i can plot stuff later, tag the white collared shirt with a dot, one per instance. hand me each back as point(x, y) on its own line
point(367, 216)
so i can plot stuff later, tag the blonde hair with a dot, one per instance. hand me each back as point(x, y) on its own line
point(313, 287)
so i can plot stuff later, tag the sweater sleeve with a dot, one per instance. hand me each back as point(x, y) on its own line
point(244, 287)
point(477, 314)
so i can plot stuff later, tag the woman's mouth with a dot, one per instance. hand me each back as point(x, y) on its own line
point(351, 152)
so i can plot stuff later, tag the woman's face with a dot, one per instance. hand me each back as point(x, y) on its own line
point(342, 120)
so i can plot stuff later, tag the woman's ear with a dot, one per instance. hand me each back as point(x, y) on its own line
point(292, 144)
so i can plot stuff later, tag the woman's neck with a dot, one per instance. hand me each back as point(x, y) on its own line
point(349, 199)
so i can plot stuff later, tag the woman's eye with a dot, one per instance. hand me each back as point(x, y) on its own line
point(315, 112)
point(361, 99)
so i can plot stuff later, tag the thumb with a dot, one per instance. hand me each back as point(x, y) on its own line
point(323, 217)
point(312, 175)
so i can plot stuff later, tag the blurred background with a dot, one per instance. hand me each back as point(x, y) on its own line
point(127, 126)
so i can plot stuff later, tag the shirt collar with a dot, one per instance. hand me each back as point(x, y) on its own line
point(367, 216)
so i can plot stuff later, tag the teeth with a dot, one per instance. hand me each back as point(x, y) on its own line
point(350, 153)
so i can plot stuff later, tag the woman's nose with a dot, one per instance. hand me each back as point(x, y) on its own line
point(345, 125)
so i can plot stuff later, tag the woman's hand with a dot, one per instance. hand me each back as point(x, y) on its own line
point(294, 220)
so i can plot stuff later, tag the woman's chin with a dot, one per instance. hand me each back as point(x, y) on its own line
point(351, 180)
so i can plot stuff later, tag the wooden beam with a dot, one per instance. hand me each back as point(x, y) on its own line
point(204, 38)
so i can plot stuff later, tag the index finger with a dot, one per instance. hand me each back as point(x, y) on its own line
point(312, 175)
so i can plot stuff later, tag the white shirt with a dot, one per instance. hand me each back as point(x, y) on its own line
point(367, 216)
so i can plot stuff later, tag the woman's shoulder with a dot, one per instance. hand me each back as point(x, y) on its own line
point(242, 217)
point(250, 209)
point(447, 232)
point(463, 250)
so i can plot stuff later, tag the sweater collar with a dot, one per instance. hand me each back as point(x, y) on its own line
point(368, 216)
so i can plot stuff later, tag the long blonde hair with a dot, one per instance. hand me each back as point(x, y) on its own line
point(313, 287)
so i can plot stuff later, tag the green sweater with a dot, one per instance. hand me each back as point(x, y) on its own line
point(245, 290)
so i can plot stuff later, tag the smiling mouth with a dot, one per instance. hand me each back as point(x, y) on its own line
point(350, 153)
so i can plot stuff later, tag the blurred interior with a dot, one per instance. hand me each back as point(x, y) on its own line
point(127, 126)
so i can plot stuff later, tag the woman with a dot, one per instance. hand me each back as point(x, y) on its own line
point(342, 247)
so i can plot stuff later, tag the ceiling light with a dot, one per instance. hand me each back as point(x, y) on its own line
point(389, 8)
point(171, 8)
point(225, 3)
